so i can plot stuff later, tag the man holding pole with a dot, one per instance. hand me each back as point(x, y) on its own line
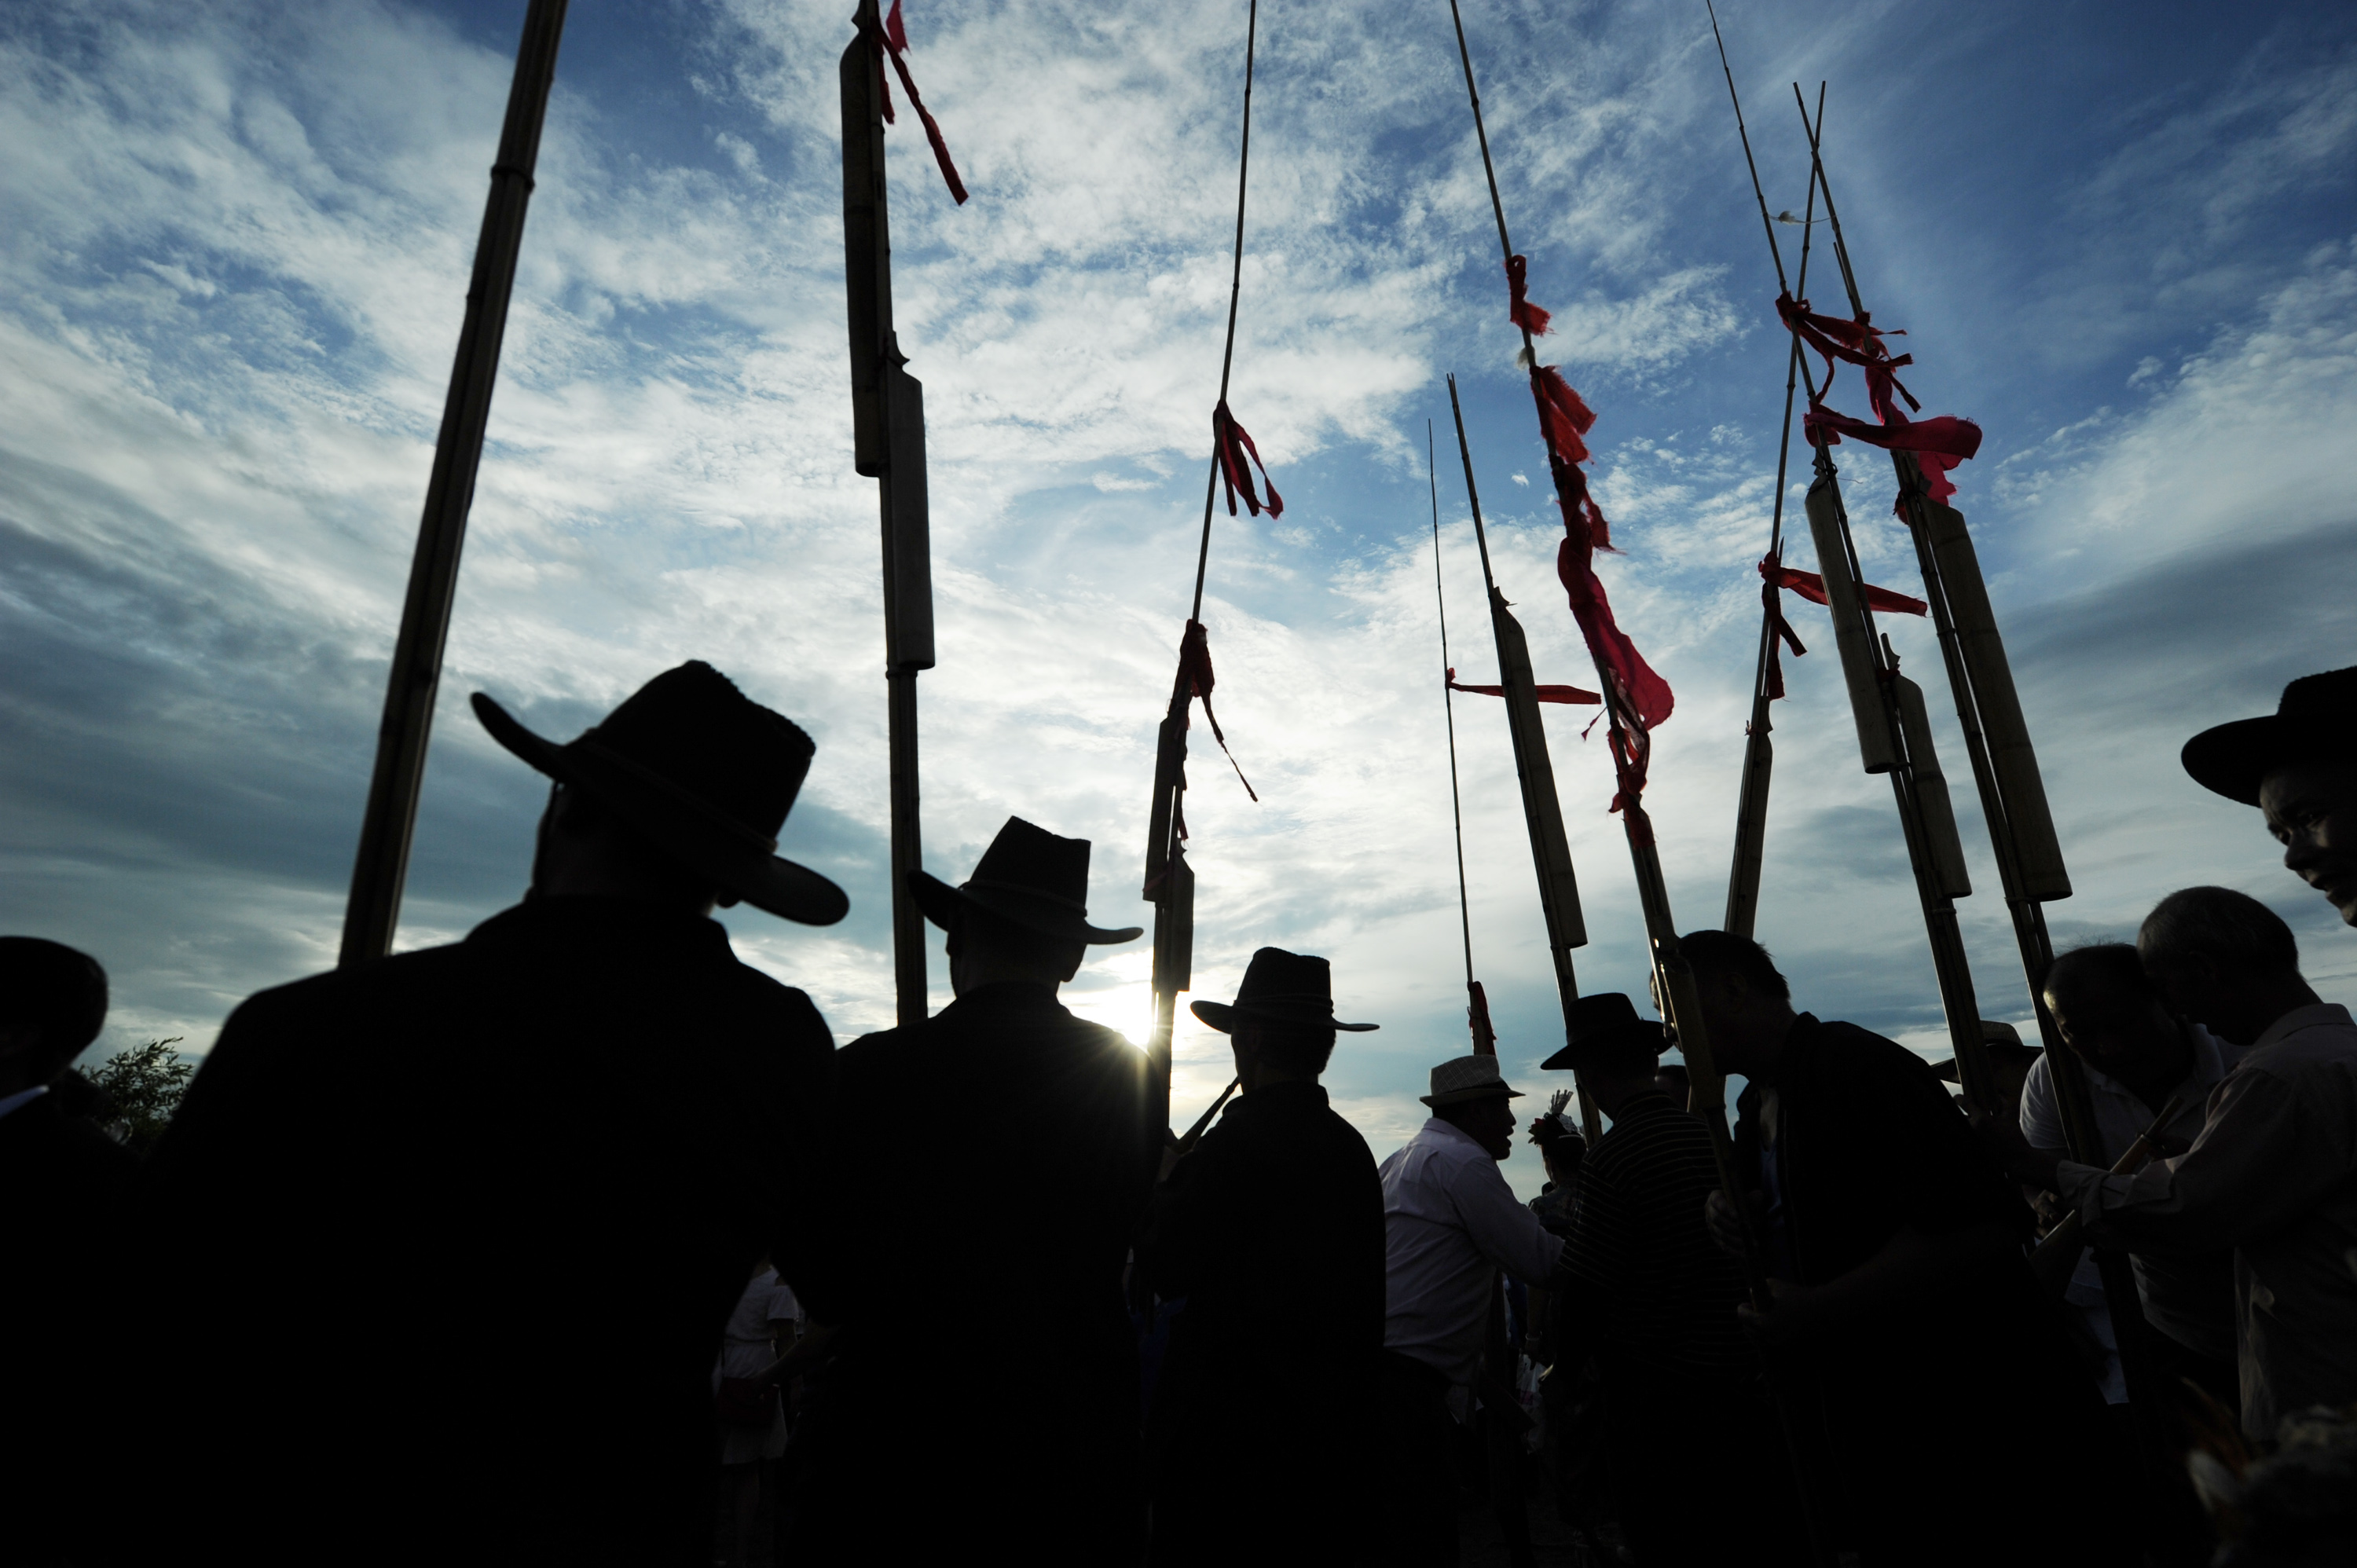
point(1655, 1298)
point(1899, 1290)
point(1035, 1424)
point(1272, 1232)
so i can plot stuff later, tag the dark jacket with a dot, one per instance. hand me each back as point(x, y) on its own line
point(62, 1184)
point(985, 1351)
point(453, 1236)
point(1930, 1400)
point(1273, 1233)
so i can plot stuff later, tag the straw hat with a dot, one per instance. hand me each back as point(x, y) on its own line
point(1467, 1078)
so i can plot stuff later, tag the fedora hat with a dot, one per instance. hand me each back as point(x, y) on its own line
point(1599, 1018)
point(1280, 987)
point(702, 771)
point(1467, 1078)
point(1029, 876)
point(2316, 719)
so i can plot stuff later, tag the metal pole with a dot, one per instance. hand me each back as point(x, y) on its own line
point(381, 866)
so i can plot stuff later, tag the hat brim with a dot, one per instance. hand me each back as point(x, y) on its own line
point(736, 858)
point(2233, 760)
point(941, 904)
point(1566, 1060)
point(1499, 1090)
point(1224, 1016)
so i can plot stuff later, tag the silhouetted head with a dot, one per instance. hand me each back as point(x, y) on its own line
point(2109, 1010)
point(2222, 959)
point(52, 1004)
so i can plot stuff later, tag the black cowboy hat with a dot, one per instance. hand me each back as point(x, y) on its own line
point(1599, 1017)
point(2316, 719)
point(705, 772)
point(1280, 987)
point(1027, 875)
point(2002, 1039)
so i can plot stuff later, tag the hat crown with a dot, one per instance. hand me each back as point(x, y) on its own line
point(1602, 1013)
point(692, 726)
point(1459, 1074)
point(1275, 973)
point(1029, 859)
point(2331, 694)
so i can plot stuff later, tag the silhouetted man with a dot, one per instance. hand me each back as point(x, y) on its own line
point(2298, 767)
point(1021, 1436)
point(1894, 1247)
point(2274, 1172)
point(1272, 1230)
point(453, 1233)
point(62, 1182)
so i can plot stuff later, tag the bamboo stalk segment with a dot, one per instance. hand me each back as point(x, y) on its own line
point(907, 541)
point(1558, 887)
point(1750, 827)
point(1857, 662)
point(2012, 758)
point(1931, 790)
point(866, 254)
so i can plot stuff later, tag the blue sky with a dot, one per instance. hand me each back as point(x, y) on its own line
point(235, 242)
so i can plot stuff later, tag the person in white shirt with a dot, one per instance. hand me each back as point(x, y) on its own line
point(2139, 1054)
point(1450, 1224)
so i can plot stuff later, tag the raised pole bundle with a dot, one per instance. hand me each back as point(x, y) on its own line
point(888, 424)
point(381, 866)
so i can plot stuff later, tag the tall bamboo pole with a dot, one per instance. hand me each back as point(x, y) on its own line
point(1475, 1013)
point(1170, 879)
point(1542, 809)
point(888, 444)
point(379, 871)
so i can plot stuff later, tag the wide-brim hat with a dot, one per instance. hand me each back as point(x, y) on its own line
point(1282, 988)
point(1599, 1019)
point(1029, 876)
point(705, 773)
point(1467, 1077)
point(2317, 719)
point(2003, 1040)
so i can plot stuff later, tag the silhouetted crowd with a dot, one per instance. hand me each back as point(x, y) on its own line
point(578, 1241)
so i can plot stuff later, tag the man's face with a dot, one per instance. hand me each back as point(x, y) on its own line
point(2112, 1027)
point(2311, 808)
point(1489, 1122)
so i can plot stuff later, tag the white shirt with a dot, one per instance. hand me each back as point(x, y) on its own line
point(1449, 1222)
point(2188, 1296)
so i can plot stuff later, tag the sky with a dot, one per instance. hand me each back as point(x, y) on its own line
point(234, 246)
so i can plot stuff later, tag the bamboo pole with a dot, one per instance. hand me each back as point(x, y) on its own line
point(1476, 1021)
point(373, 911)
point(888, 444)
point(1170, 880)
point(1535, 772)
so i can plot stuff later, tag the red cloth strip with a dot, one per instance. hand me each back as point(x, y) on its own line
point(1772, 575)
point(1947, 435)
point(894, 43)
point(1232, 442)
point(1812, 587)
point(1477, 1019)
point(1522, 312)
point(1195, 658)
point(1568, 695)
point(1565, 414)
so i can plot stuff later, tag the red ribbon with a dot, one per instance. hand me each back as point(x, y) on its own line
point(1232, 441)
point(1779, 631)
point(1522, 312)
point(1569, 695)
point(1477, 1019)
point(1939, 444)
point(1812, 587)
point(1195, 659)
point(894, 44)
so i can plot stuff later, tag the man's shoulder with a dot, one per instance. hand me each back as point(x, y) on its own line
point(2321, 1038)
point(1652, 1134)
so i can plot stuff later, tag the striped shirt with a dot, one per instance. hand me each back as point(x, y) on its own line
point(1654, 1292)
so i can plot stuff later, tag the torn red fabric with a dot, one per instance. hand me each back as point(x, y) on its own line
point(1779, 631)
point(1635, 697)
point(1565, 414)
point(1195, 658)
point(1522, 312)
point(894, 44)
point(1477, 1019)
point(1812, 587)
point(1232, 441)
point(1947, 435)
point(1939, 444)
point(1568, 695)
